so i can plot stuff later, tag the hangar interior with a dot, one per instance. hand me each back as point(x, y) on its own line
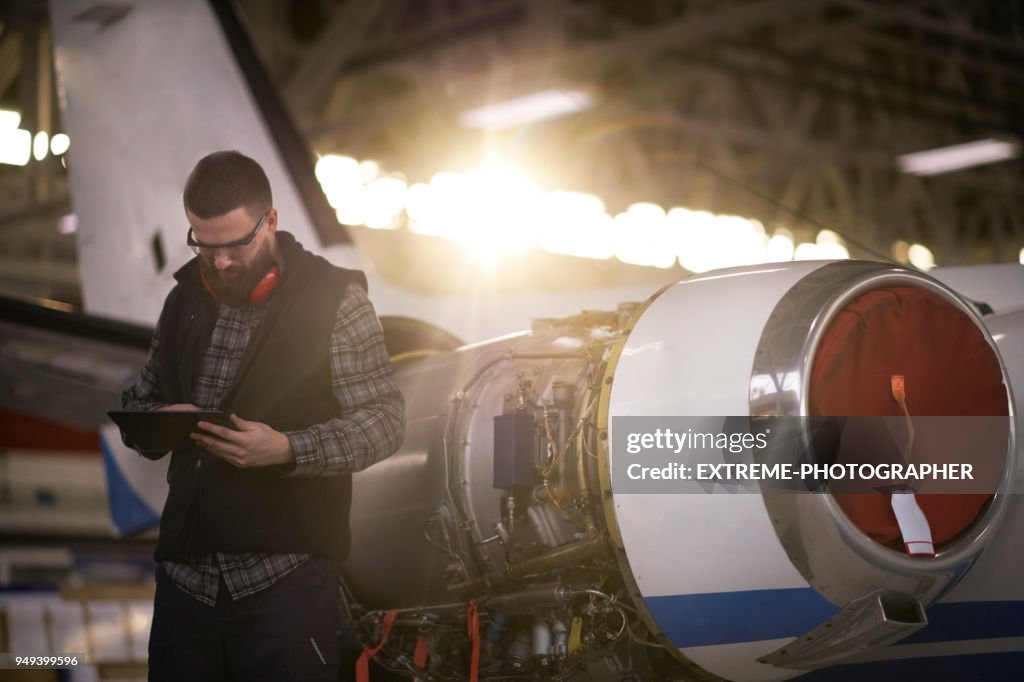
point(792, 115)
point(530, 146)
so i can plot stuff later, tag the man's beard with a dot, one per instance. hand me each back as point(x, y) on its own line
point(234, 286)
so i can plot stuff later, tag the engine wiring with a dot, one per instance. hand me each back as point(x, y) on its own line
point(581, 422)
point(590, 615)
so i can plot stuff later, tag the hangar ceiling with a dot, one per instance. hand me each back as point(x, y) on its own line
point(791, 112)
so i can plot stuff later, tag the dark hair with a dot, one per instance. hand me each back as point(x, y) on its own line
point(224, 181)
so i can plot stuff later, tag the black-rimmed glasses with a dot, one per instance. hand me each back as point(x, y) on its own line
point(230, 249)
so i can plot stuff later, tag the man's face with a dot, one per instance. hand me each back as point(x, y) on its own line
point(233, 272)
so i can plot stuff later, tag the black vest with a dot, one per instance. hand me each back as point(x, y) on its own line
point(285, 382)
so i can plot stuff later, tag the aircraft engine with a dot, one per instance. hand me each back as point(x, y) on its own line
point(498, 541)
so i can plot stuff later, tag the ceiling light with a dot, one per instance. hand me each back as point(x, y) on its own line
point(59, 144)
point(15, 147)
point(9, 119)
point(536, 106)
point(921, 257)
point(958, 156)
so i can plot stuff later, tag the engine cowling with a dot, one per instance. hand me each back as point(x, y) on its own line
point(751, 574)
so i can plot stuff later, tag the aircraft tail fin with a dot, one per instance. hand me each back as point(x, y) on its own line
point(146, 89)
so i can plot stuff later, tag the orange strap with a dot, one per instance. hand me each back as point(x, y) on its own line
point(363, 664)
point(473, 628)
point(421, 652)
point(898, 384)
point(899, 387)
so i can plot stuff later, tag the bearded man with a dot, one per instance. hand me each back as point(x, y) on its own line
point(256, 518)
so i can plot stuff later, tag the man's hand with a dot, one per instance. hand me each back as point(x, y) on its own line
point(178, 407)
point(254, 444)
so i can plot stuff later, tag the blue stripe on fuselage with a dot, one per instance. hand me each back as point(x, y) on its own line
point(694, 620)
point(991, 667)
point(727, 617)
point(971, 620)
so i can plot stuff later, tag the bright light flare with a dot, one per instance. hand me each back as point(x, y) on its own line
point(341, 179)
point(826, 251)
point(780, 247)
point(332, 168)
point(495, 212)
point(643, 237)
point(827, 237)
point(921, 257)
point(15, 146)
point(501, 213)
point(900, 251)
point(708, 241)
point(418, 205)
point(9, 120)
point(492, 211)
point(806, 251)
point(369, 170)
point(40, 145)
point(430, 207)
point(833, 252)
point(830, 246)
point(384, 201)
point(576, 224)
point(59, 144)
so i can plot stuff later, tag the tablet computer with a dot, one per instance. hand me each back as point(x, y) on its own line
point(165, 430)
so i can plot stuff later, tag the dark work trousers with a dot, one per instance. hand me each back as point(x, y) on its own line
point(288, 631)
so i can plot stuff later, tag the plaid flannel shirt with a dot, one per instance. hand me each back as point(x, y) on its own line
point(369, 428)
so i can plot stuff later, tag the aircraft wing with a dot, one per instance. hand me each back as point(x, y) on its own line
point(63, 366)
point(60, 371)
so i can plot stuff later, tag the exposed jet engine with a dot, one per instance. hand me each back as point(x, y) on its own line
point(496, 544)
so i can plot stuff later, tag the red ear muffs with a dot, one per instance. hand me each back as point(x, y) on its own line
point(260, 293)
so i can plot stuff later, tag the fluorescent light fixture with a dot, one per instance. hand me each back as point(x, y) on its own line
point(15, 147)
point(40, 145)
point(59, 144)
point(9, 119)
point(536, 106)
point(946, 159)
